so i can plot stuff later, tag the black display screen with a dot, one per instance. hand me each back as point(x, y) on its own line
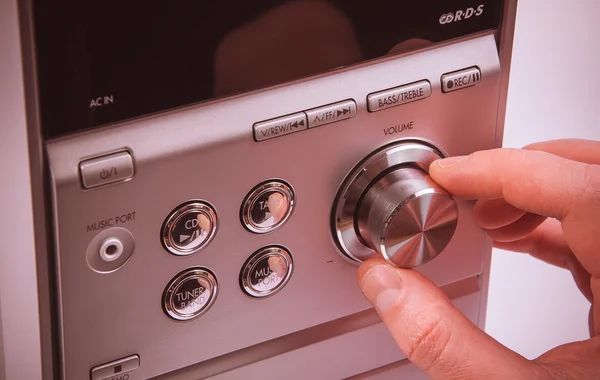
point(100, 62)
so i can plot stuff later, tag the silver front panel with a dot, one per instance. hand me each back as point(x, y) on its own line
point(209, 152)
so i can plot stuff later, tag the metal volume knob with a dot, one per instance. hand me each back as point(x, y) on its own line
point(389, 206)
point(407, 217)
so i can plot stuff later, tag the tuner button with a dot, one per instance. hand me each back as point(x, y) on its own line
point(406, 217)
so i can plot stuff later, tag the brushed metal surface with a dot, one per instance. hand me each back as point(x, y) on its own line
point(169, 146)
point(407, 218)
point(353, 191)
point(329, 348)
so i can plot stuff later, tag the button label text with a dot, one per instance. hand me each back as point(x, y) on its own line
point(110, 222)
point(399, 128)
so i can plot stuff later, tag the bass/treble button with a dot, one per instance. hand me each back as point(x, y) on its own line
point(189, 228)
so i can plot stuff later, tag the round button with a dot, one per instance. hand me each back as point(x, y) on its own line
point(407, 218)
point(266, 271)
point(190, 294)
point(189, 228)
point(268, 206)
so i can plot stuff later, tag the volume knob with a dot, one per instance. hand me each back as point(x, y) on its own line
point(406, 217)
point(388, 206)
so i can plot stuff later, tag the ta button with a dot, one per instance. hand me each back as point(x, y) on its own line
point(267, 206)
point(189, 228)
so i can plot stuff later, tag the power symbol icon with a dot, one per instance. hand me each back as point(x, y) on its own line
point(105, 174)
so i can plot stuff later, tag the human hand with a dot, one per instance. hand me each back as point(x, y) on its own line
point(543, 200)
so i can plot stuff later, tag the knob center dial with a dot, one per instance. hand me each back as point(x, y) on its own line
point(390, 207)
point(406, 217)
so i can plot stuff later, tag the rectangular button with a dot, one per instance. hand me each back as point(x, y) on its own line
point(460, 79)
point(331, 113)
point(118, 367)
point(280, 127)
point(399, 95)
point(106, 169)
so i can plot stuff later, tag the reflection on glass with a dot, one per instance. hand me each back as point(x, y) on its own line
point(191, 296)
point(204, 223)
point(292, 40)
point(269, 209)
point(268, 273)
point(192, 230)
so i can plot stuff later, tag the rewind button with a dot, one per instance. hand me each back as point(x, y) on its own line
point(280, 127)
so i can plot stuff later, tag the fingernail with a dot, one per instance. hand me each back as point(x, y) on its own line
point(451, 161)
point(382, 287)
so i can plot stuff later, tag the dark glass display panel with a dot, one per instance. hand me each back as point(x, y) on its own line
point(103, 62)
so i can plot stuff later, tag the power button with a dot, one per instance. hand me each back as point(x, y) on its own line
point(106, 169)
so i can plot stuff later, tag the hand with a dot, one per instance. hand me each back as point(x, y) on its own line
point(543, 200)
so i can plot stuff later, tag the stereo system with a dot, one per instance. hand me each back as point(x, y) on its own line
point(215, 173)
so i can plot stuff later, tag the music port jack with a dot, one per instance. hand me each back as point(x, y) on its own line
point(111, 249)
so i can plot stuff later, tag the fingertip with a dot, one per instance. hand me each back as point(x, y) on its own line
point(444, 169)
point(436, 172)
point(381, 284)
point(366, 267)
point(449, 162)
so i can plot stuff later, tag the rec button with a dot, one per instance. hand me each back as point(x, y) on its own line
point(458, 80)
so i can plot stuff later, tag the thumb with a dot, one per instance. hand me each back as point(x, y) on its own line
point(433, 334)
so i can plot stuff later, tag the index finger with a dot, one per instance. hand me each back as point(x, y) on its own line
point(539, 183)
point(533, 181)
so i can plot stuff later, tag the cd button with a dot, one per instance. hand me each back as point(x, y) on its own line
point(266, 272)
point(268, 206)
point(189, 228)
point(190, 294)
